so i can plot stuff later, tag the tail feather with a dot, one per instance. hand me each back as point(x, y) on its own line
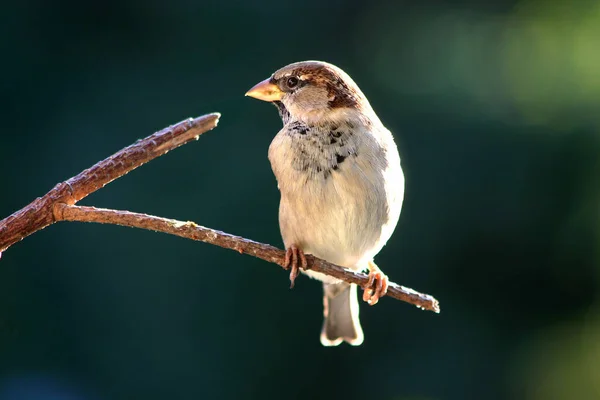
point(340, 308)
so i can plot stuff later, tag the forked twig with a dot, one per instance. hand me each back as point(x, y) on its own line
point(59, 205)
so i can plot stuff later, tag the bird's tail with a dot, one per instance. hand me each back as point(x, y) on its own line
point(340, 306)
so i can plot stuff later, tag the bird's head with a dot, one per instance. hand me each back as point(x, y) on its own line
point(311, 91)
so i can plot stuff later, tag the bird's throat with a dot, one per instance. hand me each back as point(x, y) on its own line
point(283, 112)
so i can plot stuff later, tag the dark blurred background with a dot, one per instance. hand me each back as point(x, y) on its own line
point(494, 106)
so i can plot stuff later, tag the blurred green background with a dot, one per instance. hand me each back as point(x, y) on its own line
point(495, 108)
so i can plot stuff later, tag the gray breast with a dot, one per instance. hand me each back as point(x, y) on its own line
point(320, 150)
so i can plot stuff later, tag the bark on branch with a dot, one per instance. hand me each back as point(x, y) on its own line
point(59, 205)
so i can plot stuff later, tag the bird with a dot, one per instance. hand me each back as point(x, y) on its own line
point(341, 185)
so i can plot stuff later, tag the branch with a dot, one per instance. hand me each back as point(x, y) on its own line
point(58, 205)
point(38, 214)
point(190, 230)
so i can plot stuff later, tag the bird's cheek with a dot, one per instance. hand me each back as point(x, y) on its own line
point(291, 104)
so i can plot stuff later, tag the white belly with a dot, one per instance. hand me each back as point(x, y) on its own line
point(345, 219)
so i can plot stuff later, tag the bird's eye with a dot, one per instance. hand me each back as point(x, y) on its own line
point(292, 82)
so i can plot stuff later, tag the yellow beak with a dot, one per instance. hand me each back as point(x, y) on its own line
point(265, 91)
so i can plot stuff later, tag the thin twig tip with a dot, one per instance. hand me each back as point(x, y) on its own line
point(212, 117)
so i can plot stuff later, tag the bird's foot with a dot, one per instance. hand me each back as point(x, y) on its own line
point(377, 285)
point(294, 259)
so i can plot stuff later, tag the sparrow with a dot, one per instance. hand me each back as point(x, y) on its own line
point(341, 184)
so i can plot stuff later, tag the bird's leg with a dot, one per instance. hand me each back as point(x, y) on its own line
point(294, 259)
point(377, 286)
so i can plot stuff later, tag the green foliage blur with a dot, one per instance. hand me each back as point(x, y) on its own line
point(495, 108)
